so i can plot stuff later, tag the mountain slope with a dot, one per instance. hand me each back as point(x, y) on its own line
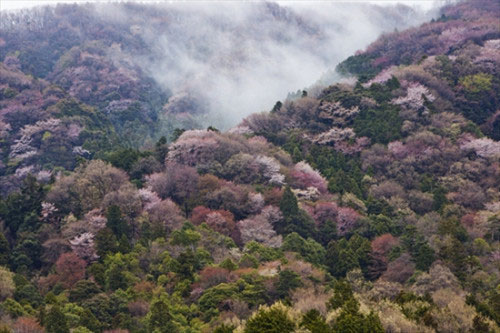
point(370, 205)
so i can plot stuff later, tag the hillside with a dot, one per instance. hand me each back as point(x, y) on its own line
point(370, 205)
point(146, 70)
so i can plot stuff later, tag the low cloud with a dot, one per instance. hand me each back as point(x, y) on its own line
point(238, 58)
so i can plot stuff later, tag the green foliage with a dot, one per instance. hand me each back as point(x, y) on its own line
point(314, 322)
point(212, 297)
point(287, 280)
point(176, 134)
point(309, 249)
point(261, 252)
point(56, 321)
point(381, 124)
point(13, 308)
point(272, 320)
point(277, 106)
point(186, 236)
point(342, 171)
point(288, 204)
point(352, 321)
point(476, 83)
point(20, 210)
point(106, 242)
point(82, 290)
point(228, 264)
point(115, 221)
point(359, 65)
point(343, 256)
point(342, 292)
point(28, 293)
point(4, 250)
point(422, 253)
point(327, 232)
point(123, 158)
point(160, 318)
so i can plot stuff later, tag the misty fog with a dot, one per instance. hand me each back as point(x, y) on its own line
point(221, 61)
point(232, 59)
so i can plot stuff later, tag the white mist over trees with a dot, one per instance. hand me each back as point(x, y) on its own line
point(216, 62)
point(235, 59)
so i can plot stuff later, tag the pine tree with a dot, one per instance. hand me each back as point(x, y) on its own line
point(124, 244)
point(327, 232)
point(288, 204)
point(106, 242)
point(115, 221)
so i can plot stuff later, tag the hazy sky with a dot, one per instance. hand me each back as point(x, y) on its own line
point(19, 4)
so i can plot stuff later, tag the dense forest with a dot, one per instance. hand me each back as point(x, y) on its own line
point(370, 205)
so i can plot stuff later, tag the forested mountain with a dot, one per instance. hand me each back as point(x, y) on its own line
point(124, 75)
point(370, 205)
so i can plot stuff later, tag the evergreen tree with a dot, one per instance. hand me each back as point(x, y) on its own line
point(106, 242)
point(273, 320)
point(342, 292)
point(55, 321)
point(4, 250)
point(288, 204)
point(314, 322)
point(296, 155)
point(277, 107)
point(115, 221)
point(287, 280)
point(124, 244)
point(88, 320)
point(160, 319)
point(327, 232)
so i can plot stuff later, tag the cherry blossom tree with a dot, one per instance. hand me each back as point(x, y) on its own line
point(260, 227)
point(304, 176)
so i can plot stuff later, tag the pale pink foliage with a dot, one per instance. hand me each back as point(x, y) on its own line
point(127, 198)
point(43, 176)
point(305, 176)
point(484, 147)
point(346, 220)
point(48, 210)
point(336, 113)
point(382, 77)
point(387, 189)
point(324, 211)
point(166, 214)
point(414, 99)
point(349, 148)
point(148, 198)
point(178, 182)
point(83, 246)
point(490, 52)
point(255, 202)
point(334, 136)
point(194, 147)
point(270, 169)
point(241, 130)
point(259, 227)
